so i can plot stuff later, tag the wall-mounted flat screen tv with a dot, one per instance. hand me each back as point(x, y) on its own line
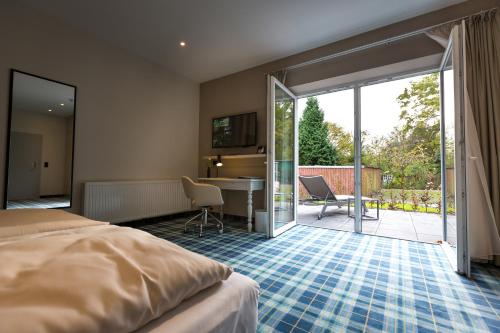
point(235, 131)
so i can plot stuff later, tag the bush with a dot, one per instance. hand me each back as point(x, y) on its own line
point(425, 197)
point(392, 201)
point(381, 198)
point(403, 196)
point(414, 201)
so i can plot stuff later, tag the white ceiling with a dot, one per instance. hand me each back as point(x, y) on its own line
point(34, 94)
point(226, 36)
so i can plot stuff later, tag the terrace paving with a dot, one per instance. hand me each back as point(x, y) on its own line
point(414, 226)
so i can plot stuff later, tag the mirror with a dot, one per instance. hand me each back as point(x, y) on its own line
point(40, 143)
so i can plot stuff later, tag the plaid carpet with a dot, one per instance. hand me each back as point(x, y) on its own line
point(317, 280)
point(56, 202)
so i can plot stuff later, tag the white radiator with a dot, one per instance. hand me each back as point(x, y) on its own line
point(120, 201)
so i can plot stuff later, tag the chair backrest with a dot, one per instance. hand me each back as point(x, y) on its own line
point(317, 187)
point(202, 194)
point(188, 184)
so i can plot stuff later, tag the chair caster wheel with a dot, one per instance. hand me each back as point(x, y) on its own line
point(221, 231)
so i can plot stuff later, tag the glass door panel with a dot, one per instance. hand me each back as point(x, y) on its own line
point(338, 170)
point(448, 154)
point(400, 130)
point(282, 158)
point(453, 151)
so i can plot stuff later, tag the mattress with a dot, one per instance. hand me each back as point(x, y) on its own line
point(229, 306)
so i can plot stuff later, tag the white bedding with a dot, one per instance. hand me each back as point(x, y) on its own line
point(61, 272)
point(229, 306)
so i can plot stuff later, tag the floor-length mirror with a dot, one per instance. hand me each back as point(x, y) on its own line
point(40, 143)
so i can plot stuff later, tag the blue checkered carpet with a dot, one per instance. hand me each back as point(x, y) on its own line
point(318, 280)
point(54, 202)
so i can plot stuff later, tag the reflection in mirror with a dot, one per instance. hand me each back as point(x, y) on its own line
point(40, 151)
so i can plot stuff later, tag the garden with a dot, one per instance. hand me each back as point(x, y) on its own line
point(408, 156)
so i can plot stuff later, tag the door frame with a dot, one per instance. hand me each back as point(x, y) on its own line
point(358, 177)
point(463, 259)
point(462, 212)
point(272, 82)
point(455, 50)
point(444, 201)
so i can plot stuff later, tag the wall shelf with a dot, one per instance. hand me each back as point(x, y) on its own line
point(229, 157)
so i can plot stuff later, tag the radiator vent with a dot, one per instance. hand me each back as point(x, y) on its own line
point(121, 201)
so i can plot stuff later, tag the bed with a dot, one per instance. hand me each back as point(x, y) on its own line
point(62, 272)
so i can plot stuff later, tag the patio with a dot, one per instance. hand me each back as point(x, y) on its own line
point(414, 226)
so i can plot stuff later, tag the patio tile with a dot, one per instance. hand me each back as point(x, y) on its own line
point(424, 216)
point(428, 228)
point(397, 234)
point(424, 227)
point(407, 230)
point(429, 238)
point(370, 231)
point(395, 223)
point(347, 227)
point(370, 225)
point(396, 220)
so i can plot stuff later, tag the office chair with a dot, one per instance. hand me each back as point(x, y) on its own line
point(203, 196)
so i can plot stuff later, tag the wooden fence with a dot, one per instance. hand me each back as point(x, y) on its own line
point(341, 179)
point(450, 181)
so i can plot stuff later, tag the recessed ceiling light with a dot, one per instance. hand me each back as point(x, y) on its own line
point(62, 104)
point(50, 110)
point(182, 44)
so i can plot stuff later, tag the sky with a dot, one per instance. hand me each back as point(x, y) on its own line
point(379, 107)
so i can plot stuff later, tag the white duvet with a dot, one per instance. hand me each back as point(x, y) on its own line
point(88, 276)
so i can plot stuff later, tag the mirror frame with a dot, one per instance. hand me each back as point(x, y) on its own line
point(9, 123)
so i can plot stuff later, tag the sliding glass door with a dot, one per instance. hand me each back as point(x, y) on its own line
point(453, 152)
point(410, 136)
point(448, 175)
point(282, 158)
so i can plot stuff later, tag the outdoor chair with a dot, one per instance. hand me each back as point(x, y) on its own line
point(319, 190)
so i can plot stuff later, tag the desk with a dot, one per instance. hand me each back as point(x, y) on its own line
point(238, 184)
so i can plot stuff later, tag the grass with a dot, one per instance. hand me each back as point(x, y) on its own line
point(434, 199)
point(432, 208)
point(435, 195)
point(409, 208)
point(399, 206)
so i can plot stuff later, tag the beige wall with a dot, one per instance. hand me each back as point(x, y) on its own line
point(69, 153)
point(53, 130)
point(134, 120)
point(246, 91)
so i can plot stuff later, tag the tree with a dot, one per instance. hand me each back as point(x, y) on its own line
point(314, 145)
point(411, 152)
point(343, 143)
point(373, 152)
point(410, 166)
point(284, 128)
point(420, 114)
